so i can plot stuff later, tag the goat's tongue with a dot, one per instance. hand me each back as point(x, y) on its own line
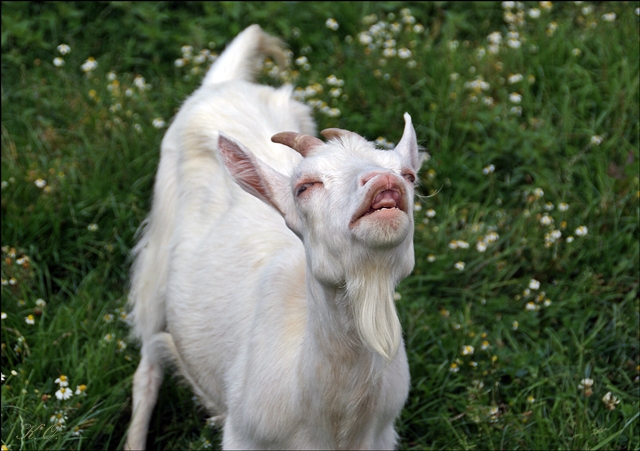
point(386, 199)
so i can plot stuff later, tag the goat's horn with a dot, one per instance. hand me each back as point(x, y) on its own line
point(302, 144)
point(331, 133)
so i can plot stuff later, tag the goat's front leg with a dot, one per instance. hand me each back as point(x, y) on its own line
point(146, 384)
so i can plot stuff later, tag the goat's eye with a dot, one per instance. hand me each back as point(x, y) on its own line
point(303, 187)
point(410, 177)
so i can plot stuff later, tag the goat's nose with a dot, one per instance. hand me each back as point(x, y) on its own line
point(391, 179)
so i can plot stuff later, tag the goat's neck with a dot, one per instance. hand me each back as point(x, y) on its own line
point(333, 326)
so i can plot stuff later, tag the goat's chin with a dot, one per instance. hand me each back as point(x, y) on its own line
point(385, 228)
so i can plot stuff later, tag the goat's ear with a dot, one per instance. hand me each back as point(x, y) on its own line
point(408, 145)
point(258, 179)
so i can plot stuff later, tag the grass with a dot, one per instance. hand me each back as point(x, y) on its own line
point(498, 350)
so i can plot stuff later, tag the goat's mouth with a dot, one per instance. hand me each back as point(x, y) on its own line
point(382, 202)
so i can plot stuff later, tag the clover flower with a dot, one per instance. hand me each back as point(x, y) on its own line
point(610, 401)
point(585, 385)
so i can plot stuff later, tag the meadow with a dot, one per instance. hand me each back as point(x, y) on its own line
point(521, 318)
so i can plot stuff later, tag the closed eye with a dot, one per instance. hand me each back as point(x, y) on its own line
point(301, 188)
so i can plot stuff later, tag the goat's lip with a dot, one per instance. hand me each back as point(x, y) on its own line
point(381, 196)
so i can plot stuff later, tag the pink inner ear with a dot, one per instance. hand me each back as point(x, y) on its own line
point(243, 167)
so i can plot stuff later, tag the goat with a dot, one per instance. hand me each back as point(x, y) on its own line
point(267, 266)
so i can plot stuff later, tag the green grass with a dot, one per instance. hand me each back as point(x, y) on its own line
point(575, 137)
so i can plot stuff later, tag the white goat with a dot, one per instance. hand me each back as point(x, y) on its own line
point(285, 329)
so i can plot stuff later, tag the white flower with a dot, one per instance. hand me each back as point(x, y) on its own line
point(29, 320)
point(430, 213)
point(158, 123)
point(515, 78)
point(514, 97)
point(41, 303)
point(563, 206)
point(63, 49)
point(63, 381)
point(179, 62)
point(569, 239)
point(41, 183)
point(89, 65)
point(92, 227)
point(452, 45)
point(301, 60)
point(489, 169)
point(495, 38)
point(531, 307)
point(111, 76)
point(534, 13)
point(418, 28)
point(459, 266)
point(609, 17)
point(610, 401)
point(534, 284)
point(3, 315)
point(514, 43)
point(596, 140)
point(139, 81)
point(581, 230)
point(186, 50)
point(467, 350)
point(431, 258)
point(64, 393)
point(549, 206)
point(404, 53)
point(538, 193)
point(546, 220)
point(515, 325)
point(389, 52)
point(332, 24)
point(481, 246)
point(576, 52)
point(58, 62)
point(508, 5)
point(454, 367)
point(365, 39)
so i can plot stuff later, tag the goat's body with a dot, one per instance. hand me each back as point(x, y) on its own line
point(221, 285)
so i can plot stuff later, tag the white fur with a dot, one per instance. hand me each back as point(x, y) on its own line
point(278, 313)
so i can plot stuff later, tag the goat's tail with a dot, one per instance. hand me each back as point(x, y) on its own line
point(241, 59)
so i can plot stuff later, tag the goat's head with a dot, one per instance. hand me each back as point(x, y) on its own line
point(350, 203)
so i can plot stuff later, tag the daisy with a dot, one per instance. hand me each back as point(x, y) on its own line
point(63, 381)
point(64, 393)
point(581, 231)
